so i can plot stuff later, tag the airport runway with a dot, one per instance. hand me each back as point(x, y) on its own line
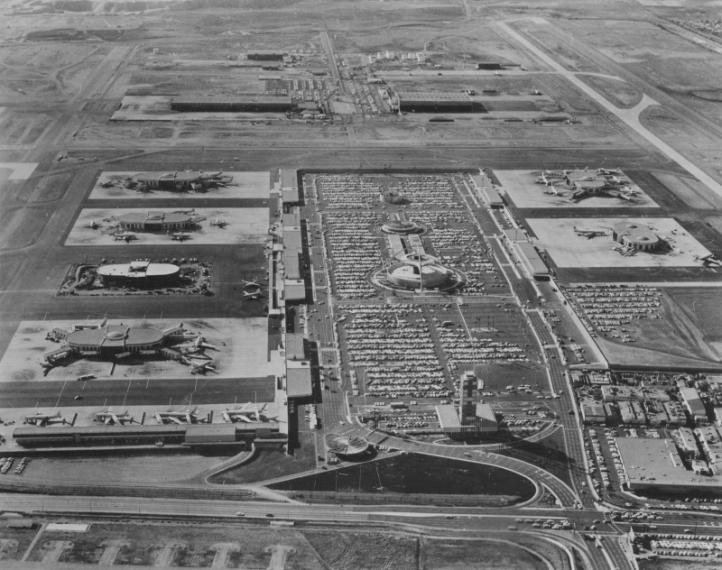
point(202, 390)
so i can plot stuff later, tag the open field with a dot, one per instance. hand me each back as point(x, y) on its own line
point(525, 193)
point(168, 546)
point(240, 225)
point(244, 185)
point(568, 249)
point(481, 555)
point(242, 350)
point(117, 468)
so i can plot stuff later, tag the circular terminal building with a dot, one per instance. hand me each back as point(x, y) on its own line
point(418, 272)
point(156, 222)
point(402, 227)
point(394, 197)
point(118, 339)
point(345, 446)
point(636, 236)
point(139, 273)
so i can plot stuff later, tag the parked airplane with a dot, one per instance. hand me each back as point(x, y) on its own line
point(180, 236)
point(202, 367)
point(186, 416)
point(40, 419)
point(108, 417)
point(589, 233)
point(125, 236)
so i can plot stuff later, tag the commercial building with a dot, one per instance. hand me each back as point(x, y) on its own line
point(694, 405)
point(156, 222)
point(654, 465)
point(593, 412)
point(686, 443)
point(532, 261)
point(711, 442)
point(299, 381)
point(289, 188)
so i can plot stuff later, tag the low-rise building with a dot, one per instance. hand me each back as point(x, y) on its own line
point(593, 412)
point(686, 443)
point(693, 403)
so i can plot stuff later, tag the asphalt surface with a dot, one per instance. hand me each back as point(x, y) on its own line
point(202, 390)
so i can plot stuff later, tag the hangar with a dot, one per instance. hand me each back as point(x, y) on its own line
point(237, 104)
point(433, 102)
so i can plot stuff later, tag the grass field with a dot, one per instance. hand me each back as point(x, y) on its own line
point(268, 464)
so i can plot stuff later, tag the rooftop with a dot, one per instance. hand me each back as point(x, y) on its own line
point(656, 461)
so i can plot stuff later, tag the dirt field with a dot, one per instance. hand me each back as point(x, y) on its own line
point(242, 225)
point(242, 351)
point(568, 249)
point(521, 188)
point(244, 185)
point(198, 546)
point(480, 555)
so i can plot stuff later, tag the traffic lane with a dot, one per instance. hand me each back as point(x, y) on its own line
point(201, 390)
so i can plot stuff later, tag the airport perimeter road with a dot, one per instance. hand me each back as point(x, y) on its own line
point(629, 117)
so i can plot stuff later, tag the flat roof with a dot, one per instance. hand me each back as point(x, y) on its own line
point(535, 262)
point(290, 195)
point(651, 461)
point(298, 381)
point(289, 178)
point(448, 416)
point(135, 270)
point(292, 265)
point(294, 289)
point(292, 240)
point(485, 412)
point(294, 347)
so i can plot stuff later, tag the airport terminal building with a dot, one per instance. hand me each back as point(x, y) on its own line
point(156, 222)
